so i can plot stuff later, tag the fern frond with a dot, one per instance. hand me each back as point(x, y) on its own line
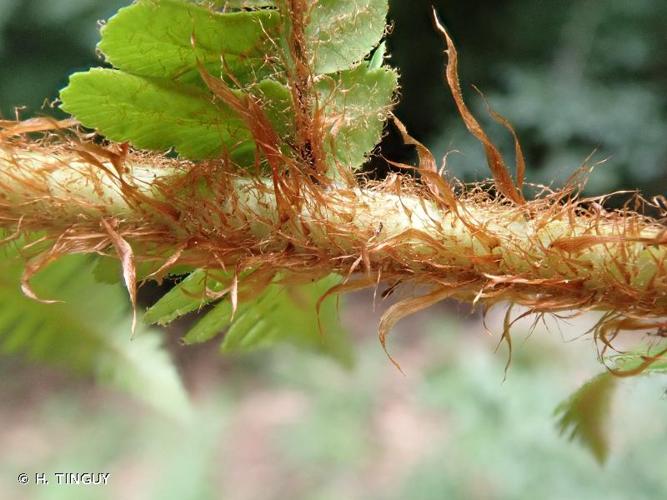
point(279, 313)
point(87, 333)
point(585, 414)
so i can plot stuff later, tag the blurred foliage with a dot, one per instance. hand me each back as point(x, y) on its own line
point(585, 414)
point(41, 43)
point(87, 332)
point(283, 425)
point(573, 77)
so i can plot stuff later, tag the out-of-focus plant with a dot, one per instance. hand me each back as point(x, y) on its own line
point(575, 77)
point(86, 332)
point(41, 42)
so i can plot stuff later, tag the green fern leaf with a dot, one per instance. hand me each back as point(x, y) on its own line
point(637, 360)
point(342, 33)
point(281, 313)
point(238, 4)
point(167, 38)
point(88, 333)
point(157, 114)
point(377, 60)
point(215, 321)
point(584, 415)
point(356, 104)
point(156, 99)
point(187, 296)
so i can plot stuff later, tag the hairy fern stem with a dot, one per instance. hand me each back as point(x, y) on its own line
point(551, 254)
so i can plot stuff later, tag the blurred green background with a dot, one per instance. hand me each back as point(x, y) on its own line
point(573, 77)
